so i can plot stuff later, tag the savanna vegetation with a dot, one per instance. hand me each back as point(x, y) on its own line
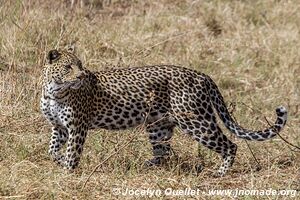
point(250, 48)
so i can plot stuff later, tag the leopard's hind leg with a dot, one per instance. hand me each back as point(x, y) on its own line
point(204, 129)
point(160, 133)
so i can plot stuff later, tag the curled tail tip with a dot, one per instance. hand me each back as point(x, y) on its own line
point(281, 111)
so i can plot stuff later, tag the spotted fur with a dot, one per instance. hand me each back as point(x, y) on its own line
point(75, 100)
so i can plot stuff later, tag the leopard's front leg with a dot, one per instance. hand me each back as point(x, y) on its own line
point(76, 140)
point(58, 139)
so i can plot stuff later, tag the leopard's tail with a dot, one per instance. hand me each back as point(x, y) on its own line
point(219, 104)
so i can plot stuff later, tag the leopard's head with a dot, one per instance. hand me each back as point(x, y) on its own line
point(62, 66)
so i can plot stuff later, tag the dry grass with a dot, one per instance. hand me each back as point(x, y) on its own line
point(250, 48)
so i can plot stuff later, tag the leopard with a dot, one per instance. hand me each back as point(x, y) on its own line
point(75, 100)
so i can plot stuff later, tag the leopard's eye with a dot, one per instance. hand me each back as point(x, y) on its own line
point(68, 67)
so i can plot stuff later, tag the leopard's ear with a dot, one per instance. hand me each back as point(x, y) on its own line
point(70, 48)
point(53, 55)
